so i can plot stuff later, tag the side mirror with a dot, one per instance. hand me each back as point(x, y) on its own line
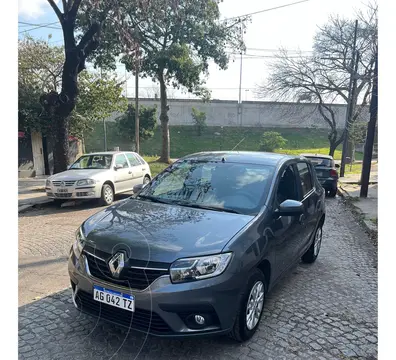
point(337, 165)
point(290, 208)
point(117, 166)
point(138, 187)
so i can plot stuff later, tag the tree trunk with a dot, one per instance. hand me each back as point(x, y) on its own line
point(165, 151)
point(333, 147)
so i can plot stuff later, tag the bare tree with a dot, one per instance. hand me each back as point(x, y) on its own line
point(323, 77)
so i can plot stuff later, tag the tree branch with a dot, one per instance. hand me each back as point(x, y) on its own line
point(57, 11)
point(74, 8)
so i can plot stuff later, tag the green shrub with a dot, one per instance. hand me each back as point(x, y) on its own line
point(272, 140)
point(199, 118)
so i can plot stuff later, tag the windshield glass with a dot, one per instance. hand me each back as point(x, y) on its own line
point(317, 161)
point(93, 162)
point(233, 187)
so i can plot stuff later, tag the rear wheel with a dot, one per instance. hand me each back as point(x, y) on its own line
point(312, 253)
point(107, 195)
point(332, 192)
point(251, 307)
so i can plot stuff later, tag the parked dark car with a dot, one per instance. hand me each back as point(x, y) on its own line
point(196, 251)
point(326, 171)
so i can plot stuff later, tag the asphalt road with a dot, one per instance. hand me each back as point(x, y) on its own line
point(327, 310)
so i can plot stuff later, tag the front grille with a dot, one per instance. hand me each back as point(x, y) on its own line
point(140, 319)
point(67, 182)
point(63, 195)
point(130, 277)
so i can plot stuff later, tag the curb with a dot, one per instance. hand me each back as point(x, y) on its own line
point(24, 207)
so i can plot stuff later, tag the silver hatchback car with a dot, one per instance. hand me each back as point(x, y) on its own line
point(99, 175)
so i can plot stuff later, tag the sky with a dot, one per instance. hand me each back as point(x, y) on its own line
point(291, 27)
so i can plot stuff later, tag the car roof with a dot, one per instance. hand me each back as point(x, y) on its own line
point(322, 156)
point(250, 157)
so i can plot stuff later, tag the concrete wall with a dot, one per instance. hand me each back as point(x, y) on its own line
point(254, 113)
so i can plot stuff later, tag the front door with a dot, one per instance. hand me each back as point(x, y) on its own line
point(285, 230)
point(123, 174)
point(308, 198)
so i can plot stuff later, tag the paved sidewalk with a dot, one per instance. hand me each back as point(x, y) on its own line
point(31, 191)
point(349, 188)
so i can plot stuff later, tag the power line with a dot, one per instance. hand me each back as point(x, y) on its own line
point(265, 10)
point(41, 26)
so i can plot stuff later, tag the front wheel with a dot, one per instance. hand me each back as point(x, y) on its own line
point(107, 196)
point(312, 253)
point(251, 307)
point(146, 180)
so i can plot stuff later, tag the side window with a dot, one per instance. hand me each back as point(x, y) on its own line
point(287, 189)
point(305, 177)
point(121, 160)
point(132, 159)
point(140, 159)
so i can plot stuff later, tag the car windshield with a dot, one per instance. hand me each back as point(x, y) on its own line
point(92, 162)
point(317, 161)
point(231, 187)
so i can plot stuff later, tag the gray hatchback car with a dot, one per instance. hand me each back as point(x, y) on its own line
point(196, 251)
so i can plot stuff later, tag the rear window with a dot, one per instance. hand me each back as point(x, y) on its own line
point(317, 161)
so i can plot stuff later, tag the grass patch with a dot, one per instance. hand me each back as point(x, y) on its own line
point(155, 166)
point(184, 140)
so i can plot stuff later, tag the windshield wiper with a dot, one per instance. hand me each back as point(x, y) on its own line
point(207, 207)
point(154, 199)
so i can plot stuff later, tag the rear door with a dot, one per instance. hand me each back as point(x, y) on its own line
point(136, 168)
point(308, 197)
point(123, 175)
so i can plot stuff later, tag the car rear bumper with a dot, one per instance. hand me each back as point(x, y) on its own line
point(328, 183)
point(163, 309)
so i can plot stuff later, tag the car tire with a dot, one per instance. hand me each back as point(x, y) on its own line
point(245, 326)
point(312, 253)
point(107, 196)
point(146, 180)
point(332, 192)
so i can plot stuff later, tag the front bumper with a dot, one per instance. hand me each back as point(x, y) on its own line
point(73, 192)
point(163, 309)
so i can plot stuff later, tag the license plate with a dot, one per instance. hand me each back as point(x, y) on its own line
point(114, 298)
point(62, 190)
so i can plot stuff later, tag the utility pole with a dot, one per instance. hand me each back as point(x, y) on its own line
point(240, 84)
point(104, 123)
point(369, 144)
point(349, 112)
point(137, 126)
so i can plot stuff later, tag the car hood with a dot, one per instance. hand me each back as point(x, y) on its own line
point(78, 174)
point(159, 232)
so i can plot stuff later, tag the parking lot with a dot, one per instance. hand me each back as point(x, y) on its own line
point(327, 310)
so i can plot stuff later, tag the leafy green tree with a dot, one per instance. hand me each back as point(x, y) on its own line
point(199, 118)
point(147, 122)
point(40, 68)
point(174, 42)
point(272, 140)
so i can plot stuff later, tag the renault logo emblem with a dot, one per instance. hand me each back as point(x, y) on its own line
point(116, 264)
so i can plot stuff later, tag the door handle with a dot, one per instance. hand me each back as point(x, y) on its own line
point(143, 169)
point(301, 220)
point(129, 172)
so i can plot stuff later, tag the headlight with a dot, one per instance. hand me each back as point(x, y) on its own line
point(48, 183)
point(198, 268)
point(85, 182)
point(79, 243)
